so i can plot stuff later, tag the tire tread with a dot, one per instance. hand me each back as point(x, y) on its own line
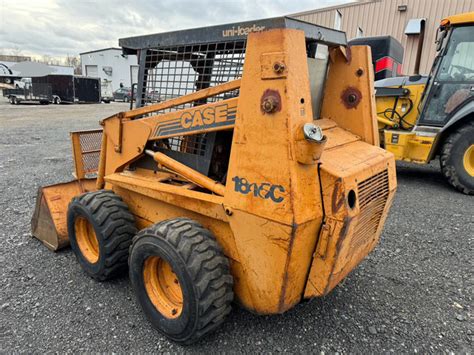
point(447, 168)
point(207, 266)
point(117, 227)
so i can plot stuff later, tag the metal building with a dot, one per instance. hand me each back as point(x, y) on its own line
point(395, 18)
point(111, 66)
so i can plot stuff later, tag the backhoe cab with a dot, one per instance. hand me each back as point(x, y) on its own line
point(259, 181)
point(421, 118)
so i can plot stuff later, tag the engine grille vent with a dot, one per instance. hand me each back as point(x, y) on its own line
point(373, 194)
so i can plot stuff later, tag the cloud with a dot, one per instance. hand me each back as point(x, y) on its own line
point(61, 27)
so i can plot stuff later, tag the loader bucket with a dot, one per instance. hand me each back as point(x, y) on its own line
point(48, 223)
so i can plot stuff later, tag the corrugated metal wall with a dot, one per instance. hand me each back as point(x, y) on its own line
point(381, 17)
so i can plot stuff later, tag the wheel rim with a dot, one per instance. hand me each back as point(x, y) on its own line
point(469, 160)
point(87, 240)
point(162, 287)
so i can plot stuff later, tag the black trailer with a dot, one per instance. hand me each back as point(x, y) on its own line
point(62, 87)
point(387, 55)
point(87, 90)
point(71, 89)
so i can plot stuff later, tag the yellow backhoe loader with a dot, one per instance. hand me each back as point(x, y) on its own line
point(235, 190)
point(421, 118)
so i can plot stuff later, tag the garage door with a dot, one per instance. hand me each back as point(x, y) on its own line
point(92, 71)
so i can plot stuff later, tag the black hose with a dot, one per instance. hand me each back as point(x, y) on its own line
point(393, 112)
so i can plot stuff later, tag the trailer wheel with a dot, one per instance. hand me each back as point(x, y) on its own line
point(100, 229)
point(57, 100)
point(181, 279)
point(457, 159)
point(13, 100)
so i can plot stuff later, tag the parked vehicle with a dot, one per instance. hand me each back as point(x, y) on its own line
point(154, 96)
point(23, 83)
point(124, 94)
point(106, 91)
point(229, 200)
point(425, 117)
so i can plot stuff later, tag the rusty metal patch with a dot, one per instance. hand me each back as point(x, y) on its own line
point(270, 101)
point(337, 196)
point(351, 97)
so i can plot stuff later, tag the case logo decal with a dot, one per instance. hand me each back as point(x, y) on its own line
point(197, 120)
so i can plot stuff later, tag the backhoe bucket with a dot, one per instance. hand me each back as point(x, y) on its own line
point(49, 219)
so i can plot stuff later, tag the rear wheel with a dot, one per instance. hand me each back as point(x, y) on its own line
point(181, 279)
point(457, 159)
point(100, 229)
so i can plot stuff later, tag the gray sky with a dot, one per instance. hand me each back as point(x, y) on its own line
point(61, 27)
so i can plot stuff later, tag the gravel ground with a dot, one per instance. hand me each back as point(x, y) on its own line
point(412, 294)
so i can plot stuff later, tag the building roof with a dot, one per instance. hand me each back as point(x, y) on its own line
point(102, 50)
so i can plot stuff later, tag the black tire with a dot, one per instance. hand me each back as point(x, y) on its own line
point(202, 272)
point(125, 99)
point(452, 155)
point(13, 100)
point(113, 226)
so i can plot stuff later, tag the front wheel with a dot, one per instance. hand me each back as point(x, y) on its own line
point(100, 228)
point(457, 159)
point(181, 279)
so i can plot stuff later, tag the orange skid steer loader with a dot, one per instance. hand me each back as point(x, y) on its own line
point(284, 206)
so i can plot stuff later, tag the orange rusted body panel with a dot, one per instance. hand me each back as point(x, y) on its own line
point(295, 216)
